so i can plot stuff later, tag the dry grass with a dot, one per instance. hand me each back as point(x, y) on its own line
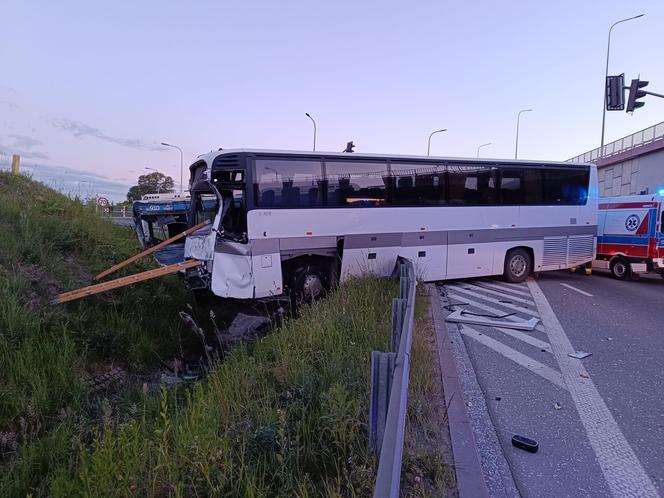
point(428, 463)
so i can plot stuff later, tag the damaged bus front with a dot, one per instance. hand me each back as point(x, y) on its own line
point(218, 195)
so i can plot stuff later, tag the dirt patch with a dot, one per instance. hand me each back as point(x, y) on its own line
point(99, 377)
point(81, 273)
point(41, 287)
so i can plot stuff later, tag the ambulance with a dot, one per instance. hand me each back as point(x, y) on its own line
point(630, 238)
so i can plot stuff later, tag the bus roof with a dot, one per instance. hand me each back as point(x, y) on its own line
point(210, 156)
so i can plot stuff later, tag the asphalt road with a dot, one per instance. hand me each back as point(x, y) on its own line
point(599, 421)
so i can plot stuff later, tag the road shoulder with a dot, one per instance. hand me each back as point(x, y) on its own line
point(475, 445)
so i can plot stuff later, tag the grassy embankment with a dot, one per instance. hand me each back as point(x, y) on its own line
point(284, 416)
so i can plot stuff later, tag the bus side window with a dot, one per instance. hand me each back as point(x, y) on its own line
point(287, 183)
point(473, 185)
point(566, 187)
point(355, 184)
point(417, 185)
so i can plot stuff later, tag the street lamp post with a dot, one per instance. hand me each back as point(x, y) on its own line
point(518, 118)
point(178, 148)
point(606, 74)
point(483, 145)
point(314, 122)
point(431, 135)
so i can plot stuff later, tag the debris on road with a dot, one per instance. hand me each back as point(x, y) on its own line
point(459, 316)
point(525, 443)
point(557, 405)
point(580, 355)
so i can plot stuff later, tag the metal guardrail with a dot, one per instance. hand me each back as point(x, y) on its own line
point(389, 388)
point(632, 141)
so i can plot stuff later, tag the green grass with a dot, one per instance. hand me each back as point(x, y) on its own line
point(284, 416)
point(49, 244)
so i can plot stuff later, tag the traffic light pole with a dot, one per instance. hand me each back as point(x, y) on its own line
point(661, 96)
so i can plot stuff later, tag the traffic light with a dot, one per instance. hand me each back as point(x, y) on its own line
point(615, 92)
point(635, 94)
point(349, 147)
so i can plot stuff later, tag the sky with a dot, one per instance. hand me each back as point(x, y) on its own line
point(88, 90)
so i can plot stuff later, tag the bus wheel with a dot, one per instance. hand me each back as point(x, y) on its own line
point(620, 268)
point(517, 266)
point(308, 284)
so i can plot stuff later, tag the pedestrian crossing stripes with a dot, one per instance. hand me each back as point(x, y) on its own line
point(517, 357)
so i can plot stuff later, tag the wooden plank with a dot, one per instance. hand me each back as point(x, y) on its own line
point(122, 281)
point(150, 250)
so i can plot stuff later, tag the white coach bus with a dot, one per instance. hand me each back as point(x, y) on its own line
point(298, 222)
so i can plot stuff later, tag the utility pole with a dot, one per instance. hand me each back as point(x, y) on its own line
point(606, 75)
point(518, 118)
point(431, 135)
point(314, 122)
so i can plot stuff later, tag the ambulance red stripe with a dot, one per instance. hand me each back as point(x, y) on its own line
point(628, 205)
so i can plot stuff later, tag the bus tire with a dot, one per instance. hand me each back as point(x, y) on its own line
point(308, 283)
point(620, 268)
point(518, 265)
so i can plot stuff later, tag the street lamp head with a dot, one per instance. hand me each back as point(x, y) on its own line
point(307, 114)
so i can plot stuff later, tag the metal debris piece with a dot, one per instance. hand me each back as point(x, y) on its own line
point(459, 316)
point(557, 405)
point(247, 327)
point(580, 355)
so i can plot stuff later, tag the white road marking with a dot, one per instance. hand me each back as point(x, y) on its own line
point(502, 295)
point(528, 339)
point(501, 287)
point(527, 311)
point(534, 366)
point(577, 290)
point(490, 309)
point(622, 469)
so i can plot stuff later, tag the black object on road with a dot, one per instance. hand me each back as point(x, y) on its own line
point(525, 443)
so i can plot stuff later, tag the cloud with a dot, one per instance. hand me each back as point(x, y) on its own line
point(76, 182)
point(25, 142)
point(24, 153)
point(80, 130)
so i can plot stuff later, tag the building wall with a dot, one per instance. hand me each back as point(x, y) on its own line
point(632, 176)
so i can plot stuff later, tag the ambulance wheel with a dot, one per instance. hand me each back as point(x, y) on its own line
point(517, 266)
point(620, 268)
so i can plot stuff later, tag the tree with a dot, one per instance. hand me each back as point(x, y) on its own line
point(152, 183)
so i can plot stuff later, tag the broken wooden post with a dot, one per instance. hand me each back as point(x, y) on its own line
point(152, 249)
point(122, 281)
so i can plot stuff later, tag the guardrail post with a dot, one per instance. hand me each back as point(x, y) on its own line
point(398, 315)
point(403, 283)
point(382, 368)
